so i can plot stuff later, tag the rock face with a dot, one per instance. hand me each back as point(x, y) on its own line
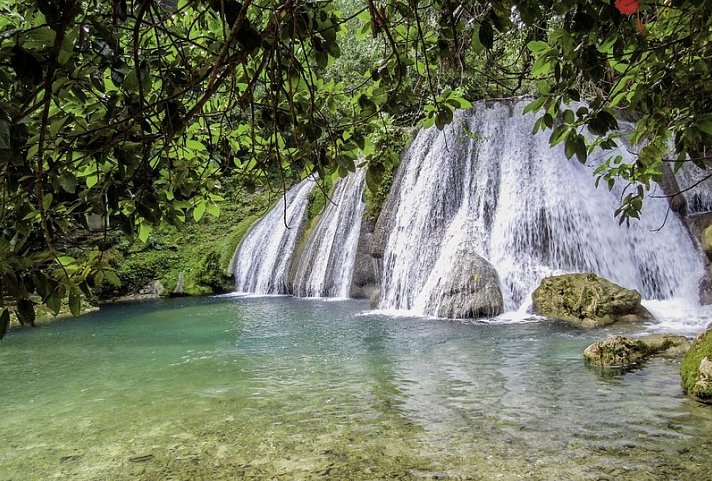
point(364, 283)
point(586, 300)
point(625, 352)
point(152, 290)
point(696, 368)
point(473, 291)
point(700, 226)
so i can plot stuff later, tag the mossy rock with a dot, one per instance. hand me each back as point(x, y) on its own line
point(624, 352)
point(696, 368)
point(616, 352)
point(587, 300)
point(707, 241)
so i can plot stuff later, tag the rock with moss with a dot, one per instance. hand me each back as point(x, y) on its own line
point(625, 352)
point(669, 346)
point(696, 368)
point(616, 352)
point(587, 300)
point(707, 241)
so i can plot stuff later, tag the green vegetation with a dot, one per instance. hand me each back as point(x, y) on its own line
point(199, 253)
point(696, 368)
point(135, 112)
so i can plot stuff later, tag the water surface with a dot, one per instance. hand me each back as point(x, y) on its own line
point(279, 388)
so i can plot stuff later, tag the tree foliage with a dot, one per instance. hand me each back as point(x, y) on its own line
point(131, 112)
point(649, 62)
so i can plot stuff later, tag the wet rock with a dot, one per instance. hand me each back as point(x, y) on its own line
point(666, 345)
point(616, 352)
point(705, 288)
point(364, 282)
point(375, 299)
point(706, 241)
point(696, 368)
point(625, 352)
point(152, 290)
point(472, 291)
point(670, 187)
point(587, 300)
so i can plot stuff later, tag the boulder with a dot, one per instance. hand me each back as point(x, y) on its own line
point(587, 300)
point(704, 288)
point(472, 291)
point(666, 345)
point(625, 352)
point(706, 241)
point(696, 368)
point(616, 352)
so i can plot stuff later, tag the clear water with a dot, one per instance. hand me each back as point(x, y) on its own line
point(280, 388)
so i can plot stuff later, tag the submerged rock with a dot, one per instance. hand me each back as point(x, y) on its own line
point(587, 300)
point(472, 291)
point(666, 345)
point(616, 351)
point(696, 368)
point(624, 352)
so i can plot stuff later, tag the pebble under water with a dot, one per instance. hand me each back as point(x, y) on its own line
point(236, 388)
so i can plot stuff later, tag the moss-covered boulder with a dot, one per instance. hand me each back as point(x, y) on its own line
point(696, 368)
point(587, 300)
point(707, 241)
point(616, 352)
point(669, 346)
point(625, 352)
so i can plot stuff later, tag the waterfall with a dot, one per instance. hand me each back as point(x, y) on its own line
point(486, 186)
point(263, 258)
point(326, 265)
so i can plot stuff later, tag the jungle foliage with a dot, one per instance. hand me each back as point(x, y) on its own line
point(131, 112)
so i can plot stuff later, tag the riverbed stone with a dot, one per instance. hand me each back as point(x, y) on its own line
point(586, 300)
point(669, 346)
point(472, 291)
point(696, 368)
point(616, 352)
point(625, 352)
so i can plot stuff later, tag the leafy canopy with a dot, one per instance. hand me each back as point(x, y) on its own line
point(131, 112)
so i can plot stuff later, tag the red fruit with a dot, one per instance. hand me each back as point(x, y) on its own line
point(627, 7)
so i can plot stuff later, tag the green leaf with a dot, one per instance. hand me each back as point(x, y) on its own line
point(47, 201)
point(199, 211)
point(112, 278)
point(75, 301)
point(4, 322)
point(144, 230)
point(537, 47)
point(212, 209)
point(4, 135)
point(705, 126)
point(91, 180)
point(476, 43)
point(486, 35)
point(54, 303)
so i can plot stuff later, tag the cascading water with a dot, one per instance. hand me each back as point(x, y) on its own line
point(326, 265)
point(263, 258)
point(487, 186)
